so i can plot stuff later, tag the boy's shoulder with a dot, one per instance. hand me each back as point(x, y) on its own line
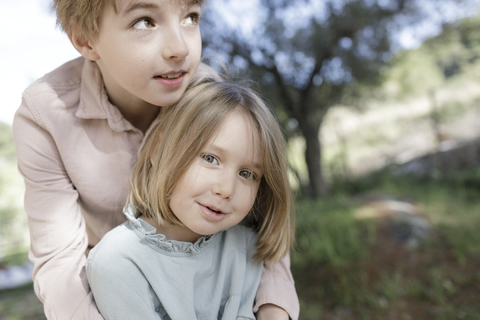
point(62, 79)
point(59, 95)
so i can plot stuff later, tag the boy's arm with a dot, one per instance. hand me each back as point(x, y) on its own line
point(57, 227)
point(277, 288)
point(271, 312)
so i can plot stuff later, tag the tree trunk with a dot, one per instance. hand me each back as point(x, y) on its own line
point(313, 157)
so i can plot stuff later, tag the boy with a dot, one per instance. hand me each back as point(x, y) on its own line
point(79, 129)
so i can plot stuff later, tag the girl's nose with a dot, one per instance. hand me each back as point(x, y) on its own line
point(175, 46)
point(224, 186)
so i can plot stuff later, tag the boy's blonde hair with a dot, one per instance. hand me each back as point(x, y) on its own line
point(178, 140)
point(81, 16)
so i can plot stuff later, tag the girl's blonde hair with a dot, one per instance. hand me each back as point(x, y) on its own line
point(180, 137)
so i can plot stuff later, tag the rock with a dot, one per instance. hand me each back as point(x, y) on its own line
point(409, 228)
point(404, 221)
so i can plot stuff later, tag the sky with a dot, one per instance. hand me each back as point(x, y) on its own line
point(31, 45)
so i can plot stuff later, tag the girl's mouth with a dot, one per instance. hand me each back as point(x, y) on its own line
point(212, 213)
point(216, 211)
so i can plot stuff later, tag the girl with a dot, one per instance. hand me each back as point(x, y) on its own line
point(214, 161)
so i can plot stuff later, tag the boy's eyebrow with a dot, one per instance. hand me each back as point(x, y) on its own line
point(140, 5)
point(149, 5)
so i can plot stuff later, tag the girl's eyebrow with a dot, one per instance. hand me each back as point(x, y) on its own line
point(219, 149)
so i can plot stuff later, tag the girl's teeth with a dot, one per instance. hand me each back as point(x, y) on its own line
point(171, 76)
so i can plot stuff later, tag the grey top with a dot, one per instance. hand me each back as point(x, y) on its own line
point(135, 273)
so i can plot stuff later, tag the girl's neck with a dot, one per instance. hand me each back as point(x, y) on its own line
point(173, 232)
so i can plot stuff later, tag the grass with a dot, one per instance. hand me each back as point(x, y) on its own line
point(354, 270)
point(20, 304)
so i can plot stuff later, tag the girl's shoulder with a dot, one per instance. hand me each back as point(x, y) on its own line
point(242, 234)
point(113, 245)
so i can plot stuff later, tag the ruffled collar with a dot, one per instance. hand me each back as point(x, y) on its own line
point(159, 242)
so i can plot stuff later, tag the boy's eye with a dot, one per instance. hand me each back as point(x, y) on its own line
point(144, 23)
point(193, 18)
point(245, 174)
point(209, 158)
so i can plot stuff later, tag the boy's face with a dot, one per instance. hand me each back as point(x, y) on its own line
point(148, 50)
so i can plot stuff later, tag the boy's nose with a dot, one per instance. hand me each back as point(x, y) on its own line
point(224, 186)
point(175, 45)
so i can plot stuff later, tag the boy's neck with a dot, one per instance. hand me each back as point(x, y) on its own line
point(140, 118)
point(138, 112)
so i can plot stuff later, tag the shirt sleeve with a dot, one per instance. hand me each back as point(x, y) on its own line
point(57, 227)
point(116, 298)
point(277, 287)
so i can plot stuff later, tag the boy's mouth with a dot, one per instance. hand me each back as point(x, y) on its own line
point(170, 76)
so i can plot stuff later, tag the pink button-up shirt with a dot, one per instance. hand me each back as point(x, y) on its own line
point(76, 151)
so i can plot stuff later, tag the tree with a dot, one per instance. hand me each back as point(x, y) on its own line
point(457, 48)
point(309, 62)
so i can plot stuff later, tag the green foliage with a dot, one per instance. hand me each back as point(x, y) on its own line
point(331, 243)
point(413, 73)
point(20, 304)
point(440, 58)
point(457, 47)
point(338, 274)
point(451, 205)
point(13, 221)
point(7, 148)
point(327, 232)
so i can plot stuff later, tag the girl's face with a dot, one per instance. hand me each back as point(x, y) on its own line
point(219, 188)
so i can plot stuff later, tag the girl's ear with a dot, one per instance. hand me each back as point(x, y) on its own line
point(84, 46)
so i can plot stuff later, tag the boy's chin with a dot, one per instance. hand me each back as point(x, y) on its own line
point(169, 99)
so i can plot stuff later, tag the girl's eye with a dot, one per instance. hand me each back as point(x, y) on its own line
point(193, 18)
point(245, 174)
point(209, 158)
point(144, 23)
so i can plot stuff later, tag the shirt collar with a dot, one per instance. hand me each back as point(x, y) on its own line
point(94, 103)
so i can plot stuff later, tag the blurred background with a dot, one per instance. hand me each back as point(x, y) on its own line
point(380, 103)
